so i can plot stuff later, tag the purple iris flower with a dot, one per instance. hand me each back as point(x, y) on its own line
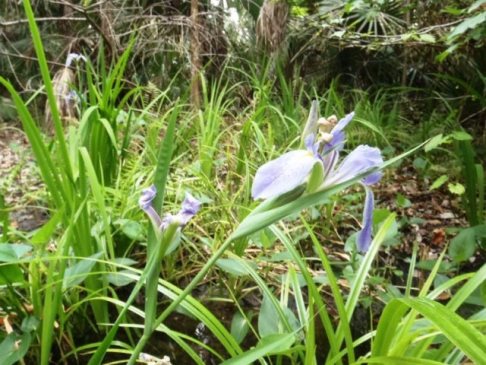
point(285, 173)
point(294, 168)
point(190, 206)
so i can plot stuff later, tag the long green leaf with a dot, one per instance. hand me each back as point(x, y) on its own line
point(160, 181)
point(268, 345)
point(41, 57)
point(390, 318)
point(459, 331)
point(396, 360)
point(314, 293)
point(362, 273)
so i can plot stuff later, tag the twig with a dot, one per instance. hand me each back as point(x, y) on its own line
point(47, 19)
point(28, 58)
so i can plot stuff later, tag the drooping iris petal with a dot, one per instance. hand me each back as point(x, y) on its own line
point(283, 174)
point(147, 196)
point(145, 203)
point(363, 240)
point(190, 206)
point(373, 178)
point(363, 158)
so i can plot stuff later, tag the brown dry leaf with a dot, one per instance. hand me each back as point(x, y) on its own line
point(438, 237)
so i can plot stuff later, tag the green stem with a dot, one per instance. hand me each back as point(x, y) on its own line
point(153, 278)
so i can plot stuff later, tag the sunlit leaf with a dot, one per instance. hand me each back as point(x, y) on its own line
point(456, 188)
point(439, 182)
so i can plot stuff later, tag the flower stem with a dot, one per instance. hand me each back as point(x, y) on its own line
point(153, 277)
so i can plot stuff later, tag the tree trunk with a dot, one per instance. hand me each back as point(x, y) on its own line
point(195, 55)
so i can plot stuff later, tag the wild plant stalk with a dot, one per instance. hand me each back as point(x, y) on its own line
point(210, 120)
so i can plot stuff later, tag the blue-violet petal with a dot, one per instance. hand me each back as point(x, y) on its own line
point(364, 236)
point(283, 174)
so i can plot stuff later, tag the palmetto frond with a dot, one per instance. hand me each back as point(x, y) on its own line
point(272, 24)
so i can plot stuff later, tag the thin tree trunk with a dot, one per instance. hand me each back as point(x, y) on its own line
point(195, 56)
point(404, 80)
point(107, 21)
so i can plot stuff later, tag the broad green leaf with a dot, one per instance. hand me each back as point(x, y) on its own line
point(419, 163)
point(476, 5)
point(439, 182)
point(13, 252)
point(271, 344)
point(120, 278)
point(30, 324)
point(234, 267)
point(402, 201)
point(456, 188)
point(43, 234)
point(10, 274)
point(239, 327)
point(268, 318)
point(76, 274)
point(7, 254)
point(14, 347)
point(132, 229)
point(461, 136)
point(463, 245)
